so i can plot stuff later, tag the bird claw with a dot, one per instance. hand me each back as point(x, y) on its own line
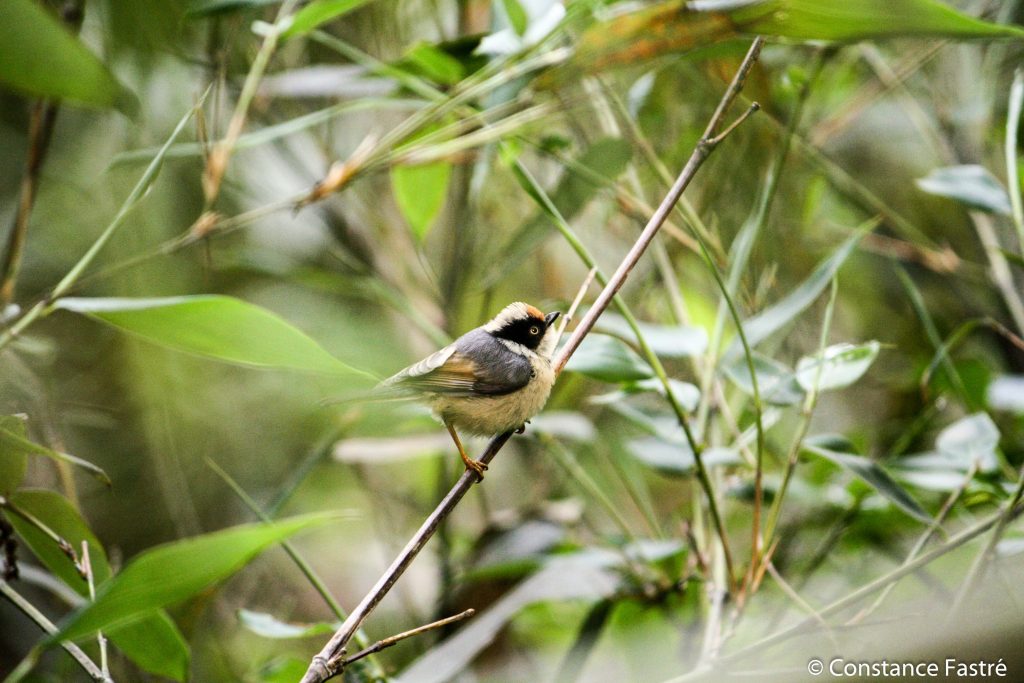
point(522, 428)
point(477, 466)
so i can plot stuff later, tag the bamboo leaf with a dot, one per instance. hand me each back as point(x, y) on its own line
point(711, 27)
point(973, 439)
point(775, 317)
point(174, 572)
point(776, 383)
point(155, 644)
point(837, 367)
point(972, 185)
point(608, 359)
point(420, 191)
point(13, 461)
point(870, 472)
point(40, 56)
point(269, 626)
point(13, 442)
point(317, 13)
point(58, 514)
point(218, 327)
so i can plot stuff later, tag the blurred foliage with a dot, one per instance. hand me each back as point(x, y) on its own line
point(269, 204)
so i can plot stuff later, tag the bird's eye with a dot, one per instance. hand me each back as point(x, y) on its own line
point(534, 330)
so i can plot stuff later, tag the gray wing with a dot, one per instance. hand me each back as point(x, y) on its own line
point(475, 365)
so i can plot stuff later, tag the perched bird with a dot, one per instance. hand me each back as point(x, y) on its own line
point(490, 380)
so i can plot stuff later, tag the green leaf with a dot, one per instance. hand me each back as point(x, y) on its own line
point(667, 341)
point(973, 439)
point(58, 514)
point(839, 366)
point(269, 626)
point(420, 192)
point(776, 383)
point(433, 63)
point(873, 474)
point(852, 20)
point(972, 185)
point(517, 16)
point(676, 457)
point(608, 359)
point(13, 461)
point(317, 13)
point(711, 27)
point(773, 318)
point(218, 327)
point(173, 572)
point(12, 441)
point(283, 670)
point(686, 393)
point(41, 57)
point(155, 644)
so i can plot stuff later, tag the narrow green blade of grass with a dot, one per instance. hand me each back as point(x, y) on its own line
point(11, 442)
point(773, 318)
point(176, 571)
point(218, 327)
point(318, 13)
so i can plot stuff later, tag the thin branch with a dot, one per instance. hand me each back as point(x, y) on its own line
point(41, 125)
point(326, 664)
point(29, 610)
point(864, 591)
point(703, 150)
point(981, 561)
point(388, 642)
point(100, 638)
point(922, 541)
point(218, 159)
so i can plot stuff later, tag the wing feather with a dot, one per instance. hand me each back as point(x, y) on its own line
point(454, 373)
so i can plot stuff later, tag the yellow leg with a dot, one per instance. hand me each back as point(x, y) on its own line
point(471, 464)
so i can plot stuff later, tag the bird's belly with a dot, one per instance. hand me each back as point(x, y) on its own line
point(490, 415)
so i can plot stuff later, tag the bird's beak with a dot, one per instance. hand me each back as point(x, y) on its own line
point(551, 317)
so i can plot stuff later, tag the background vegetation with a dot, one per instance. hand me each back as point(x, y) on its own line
point(330, 190)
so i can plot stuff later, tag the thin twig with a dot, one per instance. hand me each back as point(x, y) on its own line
point(90, 578)
point(922, 541)
point(326, 664)
point(388, 642)
point(981, 561)
point(29, 610)
point(571, 313)
point(864, 591)
point(217, 162)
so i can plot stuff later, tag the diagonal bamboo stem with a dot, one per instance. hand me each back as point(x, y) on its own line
point(329, 661)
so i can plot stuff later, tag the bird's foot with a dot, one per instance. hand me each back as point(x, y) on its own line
point(522, 428)
point(476, 466)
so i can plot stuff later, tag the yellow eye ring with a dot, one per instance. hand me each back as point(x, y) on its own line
point(534, 330)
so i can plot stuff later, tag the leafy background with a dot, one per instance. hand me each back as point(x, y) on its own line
point(191, 291)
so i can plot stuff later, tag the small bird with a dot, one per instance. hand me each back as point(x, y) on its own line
point(489, 381)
